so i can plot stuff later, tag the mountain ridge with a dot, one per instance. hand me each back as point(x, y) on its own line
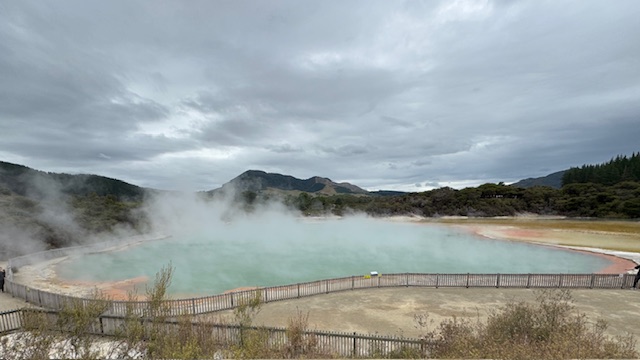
point(261, 181)
point(38, 184)
point(34, 184)
point(553, 180)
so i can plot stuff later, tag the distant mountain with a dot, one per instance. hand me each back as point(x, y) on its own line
point(259, 181)
point(552, 180)
point(38, 185)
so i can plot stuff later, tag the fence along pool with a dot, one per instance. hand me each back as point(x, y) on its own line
point(208, 304)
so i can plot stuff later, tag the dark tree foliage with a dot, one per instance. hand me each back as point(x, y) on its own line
point(575, 200)
point(618, 169)
point(98, 214)
point(39, 185)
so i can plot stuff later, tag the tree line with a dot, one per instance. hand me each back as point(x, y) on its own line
point(621, 201)
point(609, 190)
point(618, 169)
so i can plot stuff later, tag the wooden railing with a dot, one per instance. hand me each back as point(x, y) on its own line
point(226, 336)
point(10, 321)
point(208, 304)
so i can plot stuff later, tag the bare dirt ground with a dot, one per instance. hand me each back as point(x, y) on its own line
point(391, 311)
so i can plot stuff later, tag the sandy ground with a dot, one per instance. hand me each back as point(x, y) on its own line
point(392, 311)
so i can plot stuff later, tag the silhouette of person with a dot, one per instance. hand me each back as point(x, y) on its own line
point(635, 281)
point(2, 274)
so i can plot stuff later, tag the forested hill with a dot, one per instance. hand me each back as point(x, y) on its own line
point(52, 210)
point(552, 180)
point(617, 170)
point(38, 185)
point(256, 181)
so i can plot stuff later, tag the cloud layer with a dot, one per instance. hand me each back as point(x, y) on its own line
point(386, 95)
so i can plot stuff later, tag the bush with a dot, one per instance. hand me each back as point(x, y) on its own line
point(548, 329)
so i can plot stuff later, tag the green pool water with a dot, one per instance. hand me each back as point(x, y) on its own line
point(267, 252)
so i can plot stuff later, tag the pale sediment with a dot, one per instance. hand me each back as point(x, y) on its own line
point(620, 261)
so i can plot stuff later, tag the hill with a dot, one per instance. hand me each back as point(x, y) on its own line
point(552, 180)
point(260, 182)
point(619, 169)
point(40, 185)
point(40, 209)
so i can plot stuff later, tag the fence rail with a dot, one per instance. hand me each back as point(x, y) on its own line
point(317, 342)
point(10, 321)
point(227, 301)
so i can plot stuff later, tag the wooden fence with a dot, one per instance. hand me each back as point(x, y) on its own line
point(10, 321)
point(226, 336)
point(227, 301)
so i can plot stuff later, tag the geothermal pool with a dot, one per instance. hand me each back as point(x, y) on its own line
point(264, 252)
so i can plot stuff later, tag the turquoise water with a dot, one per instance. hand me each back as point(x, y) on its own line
point(267, 253)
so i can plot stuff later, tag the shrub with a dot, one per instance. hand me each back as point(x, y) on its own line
point(549, 329)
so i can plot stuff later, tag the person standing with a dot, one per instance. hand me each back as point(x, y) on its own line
point(635, 281)
point(2, 274)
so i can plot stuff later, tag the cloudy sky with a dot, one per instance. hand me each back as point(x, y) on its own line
point(383, 94)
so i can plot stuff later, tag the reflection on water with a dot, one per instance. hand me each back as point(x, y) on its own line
point(267, 253)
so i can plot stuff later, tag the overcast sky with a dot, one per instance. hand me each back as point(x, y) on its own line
point(383, 94)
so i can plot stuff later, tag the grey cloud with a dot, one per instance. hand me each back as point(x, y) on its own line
point(382, 93)
point(346, 150)
point(284, 148)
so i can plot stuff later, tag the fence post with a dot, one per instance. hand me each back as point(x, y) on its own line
point(298, 290)
point(593, 280)
point(560, 282)
point(498, 281)
point(193, 305)
point(437, 280)
point(407, 279)
point(231, 299)
point(326, 285)
point(354, 345)
point(528, 281)
point(467, 280)
point(353, 281)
